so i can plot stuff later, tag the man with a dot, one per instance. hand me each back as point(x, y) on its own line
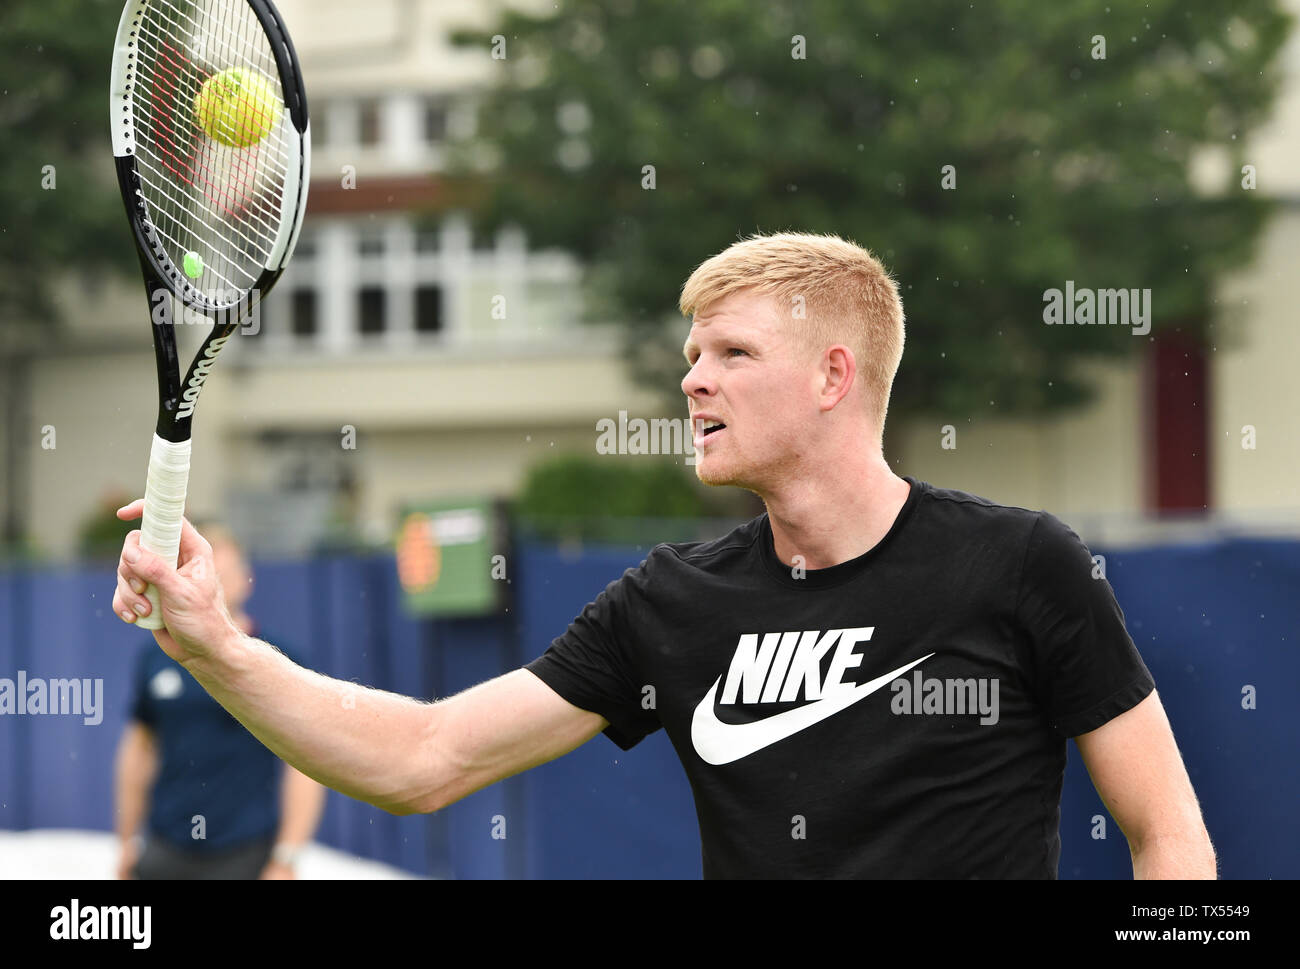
point(208, 786)
point(792, 662)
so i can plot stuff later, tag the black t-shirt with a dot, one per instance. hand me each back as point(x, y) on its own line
point(900, 715)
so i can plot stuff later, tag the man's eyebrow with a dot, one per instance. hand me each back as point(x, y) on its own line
point(736, 340)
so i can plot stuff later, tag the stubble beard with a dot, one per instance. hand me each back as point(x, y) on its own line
point(732, 476)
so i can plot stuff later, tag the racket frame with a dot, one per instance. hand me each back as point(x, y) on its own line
point(168, 477)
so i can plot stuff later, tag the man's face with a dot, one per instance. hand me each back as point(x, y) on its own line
point(750, 372)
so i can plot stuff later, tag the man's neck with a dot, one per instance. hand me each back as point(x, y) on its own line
point(826, 519)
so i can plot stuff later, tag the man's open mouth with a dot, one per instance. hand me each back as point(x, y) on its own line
point(711, 426)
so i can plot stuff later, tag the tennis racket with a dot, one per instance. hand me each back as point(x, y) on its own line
point(212, 145)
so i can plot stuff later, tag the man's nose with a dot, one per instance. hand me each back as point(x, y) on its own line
point(697, 381)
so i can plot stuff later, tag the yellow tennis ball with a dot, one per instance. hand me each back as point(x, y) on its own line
point(237, 107)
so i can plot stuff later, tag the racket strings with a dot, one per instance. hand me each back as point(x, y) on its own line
point(192, 161)
point(182, 154)
point(236, 46)
point(245, 211)
point(220, 201)
point(194, 171)
point(229, 188)
point(168, 90)
point(183, 239)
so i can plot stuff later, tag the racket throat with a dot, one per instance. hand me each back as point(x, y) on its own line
point(198, 375)
point(166, 360)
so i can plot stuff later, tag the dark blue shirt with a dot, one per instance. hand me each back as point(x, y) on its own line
point(209, 765)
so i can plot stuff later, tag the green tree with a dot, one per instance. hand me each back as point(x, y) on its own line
point(571, 496)
point(101, 533)
point(824, 116)
point(60, 212)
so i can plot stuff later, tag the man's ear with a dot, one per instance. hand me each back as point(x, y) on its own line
point(839, 370)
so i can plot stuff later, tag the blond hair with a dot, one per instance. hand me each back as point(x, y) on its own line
point(845, 295)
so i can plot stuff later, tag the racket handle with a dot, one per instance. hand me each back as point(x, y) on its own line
point(164, 509)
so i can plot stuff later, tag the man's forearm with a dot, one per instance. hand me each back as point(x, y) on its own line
point(365, 743)
point(1174, 857)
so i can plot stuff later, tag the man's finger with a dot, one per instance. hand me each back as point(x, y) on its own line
point(138, 561)
point(120, 608)
point(130, 550)
point(136, 585)
point(128, 599)
point(132, 511)
point(193, 545)
point(123, 567)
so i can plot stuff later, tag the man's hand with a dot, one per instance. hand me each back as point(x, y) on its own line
point(275, 871)
point(193, 605)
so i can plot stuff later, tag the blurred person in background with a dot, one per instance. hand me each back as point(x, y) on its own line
point(195, 793)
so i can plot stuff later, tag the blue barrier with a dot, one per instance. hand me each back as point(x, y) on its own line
point(1210, 621)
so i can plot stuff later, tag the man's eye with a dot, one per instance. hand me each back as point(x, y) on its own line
point(732, 350)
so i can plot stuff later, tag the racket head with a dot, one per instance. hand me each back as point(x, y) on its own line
point(202, 175)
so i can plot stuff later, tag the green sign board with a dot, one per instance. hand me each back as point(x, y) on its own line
point(448, 558)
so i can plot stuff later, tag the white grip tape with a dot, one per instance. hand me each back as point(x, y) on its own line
point(164, 509)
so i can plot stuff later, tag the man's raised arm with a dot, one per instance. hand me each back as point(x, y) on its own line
point(403, 755)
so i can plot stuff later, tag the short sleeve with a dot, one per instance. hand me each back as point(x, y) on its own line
point(141, 706)
point(1085, 667)
point(590, 665)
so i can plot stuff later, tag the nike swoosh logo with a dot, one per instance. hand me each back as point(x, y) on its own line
point(721, 743)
